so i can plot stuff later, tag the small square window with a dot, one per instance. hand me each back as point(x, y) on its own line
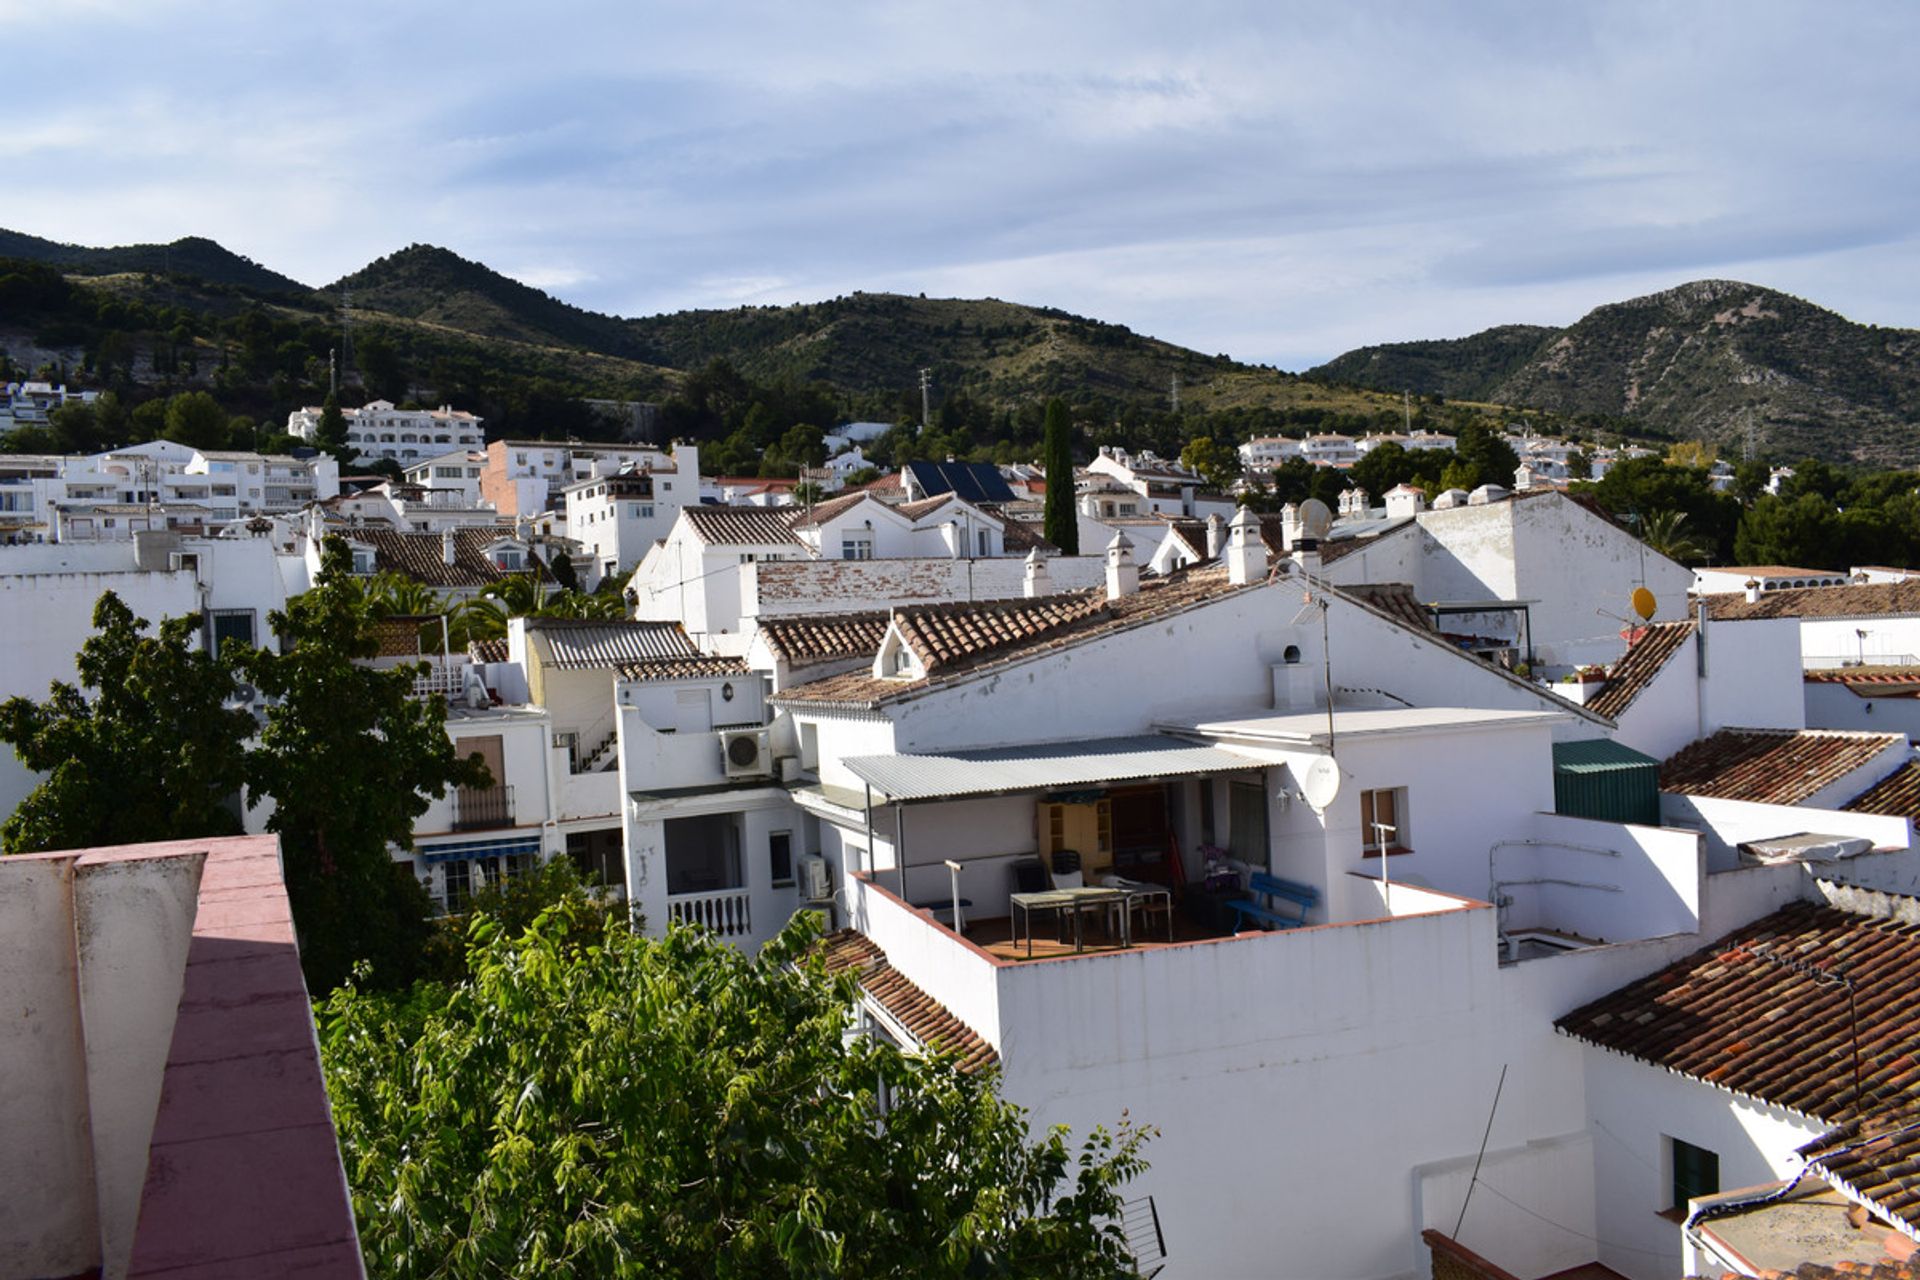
point(1696, 1172)
point(1383, 821)
point(780, 859)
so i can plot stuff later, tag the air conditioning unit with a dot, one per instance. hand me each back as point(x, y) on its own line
point(816, 881)
point(745, 754)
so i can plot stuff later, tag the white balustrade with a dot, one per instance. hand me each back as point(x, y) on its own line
point(725, 911)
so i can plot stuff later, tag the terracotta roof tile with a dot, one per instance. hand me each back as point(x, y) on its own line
point(1898, 794)
point(1873, 600)
point(683, 668)
point(923, 1017)
point(1877, 1162)
point(1869, 682)
point(1645, 659)
point(1021, 536)
point(825, 637)
point(422, 556)
point(1731, 1017)
point(960, 640)
point(926, 506)
point(741, 526)
point(1396, 600)
point(1770, 766)
point(488, 650)
point(825, 511)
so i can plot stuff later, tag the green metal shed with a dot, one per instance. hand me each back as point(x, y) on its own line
point(1599, 778)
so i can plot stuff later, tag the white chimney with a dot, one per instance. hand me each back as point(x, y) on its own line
point(1753, 590)
point(1123, 575)
point(1289, 526)
point(1246, 554)
point(1036, 582)
point(447, 550)
point(1216, 535)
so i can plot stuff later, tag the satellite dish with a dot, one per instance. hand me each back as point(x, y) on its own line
point(1321, 783)
point(1315, 519)
point(1644, 604)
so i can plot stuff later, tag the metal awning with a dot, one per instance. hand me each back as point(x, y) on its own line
point(1041, 767)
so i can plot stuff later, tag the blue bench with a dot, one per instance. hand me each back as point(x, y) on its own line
point(1269, 891)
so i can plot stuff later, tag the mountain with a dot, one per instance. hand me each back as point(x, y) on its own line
point(194, 256)
point(439, 287)
point(1713, 360)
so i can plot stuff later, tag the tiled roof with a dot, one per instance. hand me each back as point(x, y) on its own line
point(683, 668)
point(1769, 766)
point(925, 506)
point(1877, 1162)
point(488, 650)
point(825, 511)
point(825, 638)
point(923, 1017)
point(740, 526)
point(1019, 536)
point(1872, 600)
point(1645, 659)
point(966, 639)
point(1731, 1017)
point(1898, 794)
point(1396, 600)
point(422, 557)
point(1869, 682)
point(1193, 537)
point(578, 644)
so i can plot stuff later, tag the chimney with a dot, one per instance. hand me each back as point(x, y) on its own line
point(1123, 575)
point(1036, 581)
point(447, 550)
point(1753, 590)
point(1246, 554)
point(1216, 535)
point(1289, 525)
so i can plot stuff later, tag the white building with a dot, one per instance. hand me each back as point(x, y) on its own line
point(1762, 578)
point(528, 477)
point(1327, 449)
point(617, 519)
point(1264, 453)
point(459, 469)
point(378, 430)
point(31, 404)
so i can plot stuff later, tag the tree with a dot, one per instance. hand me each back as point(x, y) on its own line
point(626, 1106)
point(1666, 532)
point(332, 430)
point(1215, 463)
point(1061, 519)
point(1490, 459)
point(196, 419)
point(351, 758)
point(148, 752)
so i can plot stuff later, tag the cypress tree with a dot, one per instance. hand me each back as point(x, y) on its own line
point(1062, 524)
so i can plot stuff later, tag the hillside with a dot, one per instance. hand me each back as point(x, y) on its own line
point(439, 287)
point(1715, 360)
point(192, 256)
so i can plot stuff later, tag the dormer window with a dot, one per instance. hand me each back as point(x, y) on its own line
point(362, 560)
point(896, 659)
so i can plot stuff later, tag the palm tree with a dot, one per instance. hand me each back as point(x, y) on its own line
point(1663, 532)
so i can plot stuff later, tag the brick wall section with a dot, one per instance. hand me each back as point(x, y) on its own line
point(1453, 1261)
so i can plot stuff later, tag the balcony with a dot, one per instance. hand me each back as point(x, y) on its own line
point(725, 911)
point(482, 808)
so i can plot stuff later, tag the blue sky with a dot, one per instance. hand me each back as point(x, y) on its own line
point(1276, 181)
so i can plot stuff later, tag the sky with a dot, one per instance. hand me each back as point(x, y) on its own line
point(1278, 182)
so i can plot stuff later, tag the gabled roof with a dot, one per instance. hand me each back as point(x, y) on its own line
point(928, 1021)
point(974, 481)
point(1872, 600)
point(740, 526)
point(592, 644)
point(955, 641)
point(1876, 1162)
point(1644, 660)
point(1897, 794)
point(1396, 600)
point(1728, 1016)
point(802, 640)
point(826, 511)
point(1022, 535)
point(422, 557)
point(1869, 682)
point(1770, 766)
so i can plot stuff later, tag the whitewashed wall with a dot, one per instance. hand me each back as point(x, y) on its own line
point(1830, 705)
point(1725, 824)
point(1831, 642)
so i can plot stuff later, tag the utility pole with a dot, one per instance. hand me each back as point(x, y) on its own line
point(1406, 409)
point(926, 398)
point(1174, 392)
point(346, 327)
point(333, 371)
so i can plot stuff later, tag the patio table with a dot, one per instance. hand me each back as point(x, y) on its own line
point(1078, 902)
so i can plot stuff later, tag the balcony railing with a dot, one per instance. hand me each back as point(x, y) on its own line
point(724, 911)
point(482, 808)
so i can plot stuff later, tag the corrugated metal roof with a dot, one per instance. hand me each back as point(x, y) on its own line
point(1598, 755)
point(1041, 766)
point(587, 646)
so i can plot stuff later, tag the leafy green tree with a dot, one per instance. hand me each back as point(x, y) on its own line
point(1217, 464)
point(1383, 467)
point(1804, 532)
point(1635, 487)
point(196, 419)
point(628, 1106)
point(1666, 532)
point(142, 749)
point(1481, 452)
point(1060, 519)
point(351, 758)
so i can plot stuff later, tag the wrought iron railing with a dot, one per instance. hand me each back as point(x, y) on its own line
point(482, 808)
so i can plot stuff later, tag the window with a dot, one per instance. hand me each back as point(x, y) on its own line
point(1383, 821)
point(809, 745)
point(856, 546)
point(984, 544)
point(780, 858)
point(459, 874)
point(231, 626)
point(1696, 1172)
